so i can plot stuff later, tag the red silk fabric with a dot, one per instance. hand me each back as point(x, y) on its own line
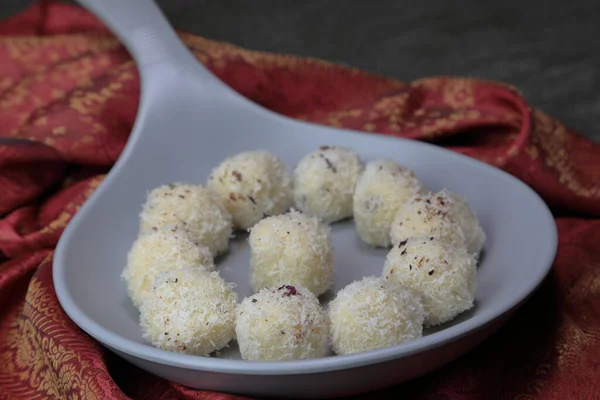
point(68, 99)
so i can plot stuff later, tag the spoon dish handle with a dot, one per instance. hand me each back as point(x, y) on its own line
point(144, 30)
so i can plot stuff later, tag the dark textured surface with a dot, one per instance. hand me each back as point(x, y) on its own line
point(549, 50)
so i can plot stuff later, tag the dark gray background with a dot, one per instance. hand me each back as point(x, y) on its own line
point(548, 49)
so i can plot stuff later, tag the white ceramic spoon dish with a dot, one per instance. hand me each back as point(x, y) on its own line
point(187, 122)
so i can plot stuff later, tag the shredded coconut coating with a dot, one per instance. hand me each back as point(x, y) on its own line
point(428, 215)
point(281, 323)
point(252, 185)
point(189, 311)
point(324, 182)
point(291, 249)
point(373, 313)
point(159, 251)
point(444, 276)
point(190, 207)
point(380, 192)
point(460, 211)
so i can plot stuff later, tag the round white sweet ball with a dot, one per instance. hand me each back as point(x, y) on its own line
point(252, 185)
point(283, 323)
point(444, 276)
point(373, 313)
point(189, 311)
point(159, 251)
point(190, 207)
point(381, 191)
point(324, 182)
point(460, 211)
point(428, 215)
point(291, 249)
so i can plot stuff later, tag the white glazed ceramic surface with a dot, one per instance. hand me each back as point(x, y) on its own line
point(187, 123)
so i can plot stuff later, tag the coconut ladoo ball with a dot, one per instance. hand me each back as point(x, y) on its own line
point(428, 215)
point(283, 323)
point(189, 311)
point(192, 208)
point(444, 276)
point(324, 182)
point(460, 211)
point(373, 313)
point(291, 249)
point(252, 185)
point(381, 191)
point(159, 251)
